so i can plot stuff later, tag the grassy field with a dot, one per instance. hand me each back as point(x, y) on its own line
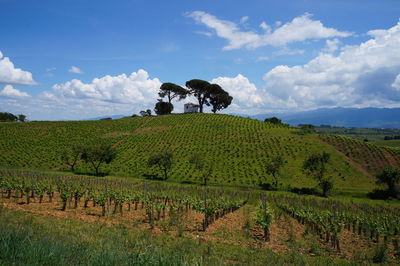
point(236, 148)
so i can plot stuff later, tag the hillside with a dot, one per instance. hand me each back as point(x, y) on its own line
point(236, 148)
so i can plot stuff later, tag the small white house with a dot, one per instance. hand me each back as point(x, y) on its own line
point(190, 108)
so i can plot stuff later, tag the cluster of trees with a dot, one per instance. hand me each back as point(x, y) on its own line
point(94, 155)
point(206, 94)
point(390, 177)
point(9, 117)
point(391, 137)
point(314, 165)
point(164, 161)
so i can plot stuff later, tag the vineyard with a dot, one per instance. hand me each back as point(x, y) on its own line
point(236, 149)
point(369, 156)
point(277, 221)
point(226, 220)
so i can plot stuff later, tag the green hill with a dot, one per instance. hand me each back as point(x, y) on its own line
point(236, 148)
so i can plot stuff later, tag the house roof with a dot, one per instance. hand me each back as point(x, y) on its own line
point(192, 104)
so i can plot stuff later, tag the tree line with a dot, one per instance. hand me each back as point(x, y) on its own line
point(9, 117)
point(207, 94)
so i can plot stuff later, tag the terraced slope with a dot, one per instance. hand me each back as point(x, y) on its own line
point(236, 148)
point(370, 157)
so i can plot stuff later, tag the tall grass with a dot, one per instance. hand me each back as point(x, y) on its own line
point(28, 240)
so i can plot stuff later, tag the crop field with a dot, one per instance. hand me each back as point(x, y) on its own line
point(372, 135)
point(371, 157)
point(330, 230)
point(129, 216)
point(237, 149)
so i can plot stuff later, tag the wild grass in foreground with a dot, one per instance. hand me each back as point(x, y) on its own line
point(29, 240)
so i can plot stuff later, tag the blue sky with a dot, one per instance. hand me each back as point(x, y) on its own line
point(80, 59)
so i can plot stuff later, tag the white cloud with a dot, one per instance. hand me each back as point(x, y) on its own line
point(287, 51)
point(360, 75)
point(75, 70)
point(11, 75)
point(225, 29)
point(244, 92)
point(299, 29)
point(205, 33)
point(396, 83)
point(244, 19)
point(10, 92)
point(247, 98)
point(331, 45)
point(137, 88)
point(262, 58)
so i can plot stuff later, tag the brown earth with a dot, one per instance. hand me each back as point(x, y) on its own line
point(236, 228)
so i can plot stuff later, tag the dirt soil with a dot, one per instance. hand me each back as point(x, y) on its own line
point(236, 228)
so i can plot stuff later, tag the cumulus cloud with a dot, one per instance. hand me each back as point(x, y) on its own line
point(360, 75)
point(332, 45)
point(135, 88)
point(299, 29)
point(10, 92)
point(76, 70)
point(245, 94)
point(11, 75)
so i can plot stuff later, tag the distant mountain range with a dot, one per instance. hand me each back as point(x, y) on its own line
point(106, 117)
point(343, 117)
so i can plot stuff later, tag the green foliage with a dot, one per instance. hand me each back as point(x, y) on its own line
point(21, 118)
point(238, 148)
point(307, 129)
point(315, 165)
point(200, 90)
point(8, 117)
point(391, 177)
point(145, 113)
point(36, 240)
point(163, 161)
point(219, 99)
point(204, 168)
point(71, 158)
point(163, 108)
point(370, 157)
point(264, 216)
point(171, 91)
point(273, 120)
point(273, 168)
point(97, 155)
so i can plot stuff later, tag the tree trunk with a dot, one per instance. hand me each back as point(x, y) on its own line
point(76, 202)
point(266, 234)
point(64, 207)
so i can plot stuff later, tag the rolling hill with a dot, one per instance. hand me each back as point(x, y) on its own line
point(236, 148)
